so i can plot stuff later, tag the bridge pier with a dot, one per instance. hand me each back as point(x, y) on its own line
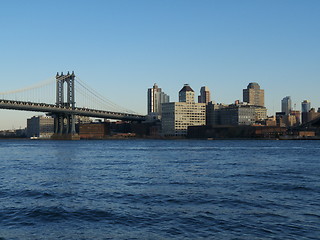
point(65, 127)
point(64, 124)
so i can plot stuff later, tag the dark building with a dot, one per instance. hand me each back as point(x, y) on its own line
point(40, 127)
point(240, 132)
point(99, 130)
point(213, 116)
point(204, 96)
point(309, 116)
point(106, 130)
point(280, 118)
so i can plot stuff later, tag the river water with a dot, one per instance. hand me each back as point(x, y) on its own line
point(157, 189)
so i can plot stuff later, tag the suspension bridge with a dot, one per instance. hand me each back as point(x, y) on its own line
point(56, 97)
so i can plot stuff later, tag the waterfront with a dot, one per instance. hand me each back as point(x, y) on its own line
point(156, 189)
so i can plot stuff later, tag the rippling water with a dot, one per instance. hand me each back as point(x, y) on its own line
point(138, 189)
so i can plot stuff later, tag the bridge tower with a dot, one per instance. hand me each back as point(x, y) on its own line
point(64, 124)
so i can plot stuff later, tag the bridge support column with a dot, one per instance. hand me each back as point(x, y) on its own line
point(58, 124)
point(70, 124)
point(73, 124)
point(65, 127)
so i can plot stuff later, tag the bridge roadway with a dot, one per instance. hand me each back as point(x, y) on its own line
point(51, 108)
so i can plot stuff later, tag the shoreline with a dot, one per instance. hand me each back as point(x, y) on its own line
point(167, 138)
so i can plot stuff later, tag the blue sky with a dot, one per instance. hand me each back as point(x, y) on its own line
point(122, 47)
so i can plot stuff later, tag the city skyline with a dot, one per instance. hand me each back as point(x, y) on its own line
point(130, 45)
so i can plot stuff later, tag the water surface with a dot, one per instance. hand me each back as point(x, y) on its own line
point(155, 189)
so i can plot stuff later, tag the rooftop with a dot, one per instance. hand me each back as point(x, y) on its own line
point(186, 88)
point(253, 85)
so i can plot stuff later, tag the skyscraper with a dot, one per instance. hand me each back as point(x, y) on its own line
point(186, 94)
point(305, 109)
point(253, 95)
point(286, 105)
point(305, 106)
point(155, 98)
point(204, 96)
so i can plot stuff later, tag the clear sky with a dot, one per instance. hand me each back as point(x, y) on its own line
point(123, 47)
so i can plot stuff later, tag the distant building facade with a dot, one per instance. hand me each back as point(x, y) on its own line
point(204, 96)
point(97, 130)
point(286, 105)
point(288, 120)
point(271, 121)
point(297, 116)
point(83, 119)
point(235, 114)
point(309, 116)
point(155, 98)
point(253, 95)
point(223, 132)
point(178, 116)
point(241, 114)
point(40, 126)
point(305, 106)
point(280, 119)
point(213, 116)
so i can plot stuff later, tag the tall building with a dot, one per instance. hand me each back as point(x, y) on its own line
point(204, 96)
point(155, 98)
point(286, 105)
point(253, 95)
point(40, 126)
point(178, 116)
point(186, 94)
point(305, 106)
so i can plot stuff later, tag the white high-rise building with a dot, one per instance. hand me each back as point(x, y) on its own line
point(178, 116)
point(155, 98)
point(286, 105)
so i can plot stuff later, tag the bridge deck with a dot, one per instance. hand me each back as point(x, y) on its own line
point(51, 108)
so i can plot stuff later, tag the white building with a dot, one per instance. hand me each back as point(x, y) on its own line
point(155, 98)
point(178, 116)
